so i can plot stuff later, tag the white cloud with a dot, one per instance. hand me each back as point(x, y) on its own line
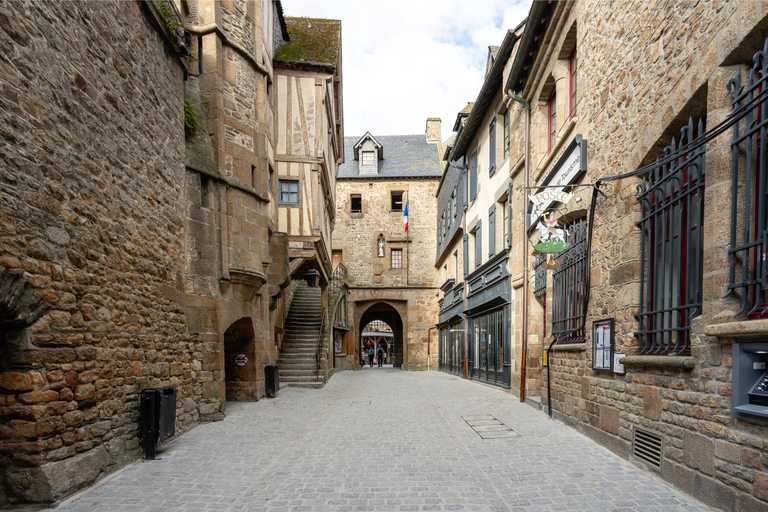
point(407, 60)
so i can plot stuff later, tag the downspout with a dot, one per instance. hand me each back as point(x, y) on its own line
point(524, 352)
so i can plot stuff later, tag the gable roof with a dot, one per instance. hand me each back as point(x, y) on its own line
point(408, 156)
point(370, 137)
point(315, 42)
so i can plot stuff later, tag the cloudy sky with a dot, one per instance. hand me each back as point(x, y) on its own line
point(407, 60)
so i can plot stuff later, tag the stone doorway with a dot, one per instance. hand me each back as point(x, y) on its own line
point(240, 370)
point(385, 328)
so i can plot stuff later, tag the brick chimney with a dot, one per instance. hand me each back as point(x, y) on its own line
point(433, 130)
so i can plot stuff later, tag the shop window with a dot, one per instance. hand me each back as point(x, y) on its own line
point(572, 83)
point(397, 258)
point(569, 287)
point(289, 192)
point(672, 204)
point(748, 270)
point(355, 203)
point(551, 121)
point(492, 148)
point(397, 201)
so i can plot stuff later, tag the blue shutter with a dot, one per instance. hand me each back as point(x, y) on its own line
point(463, 188)
point(466, 255)
point(478, 245)
point(491, 231)
point(509, 216)
point(473, 176)
point(492, 149)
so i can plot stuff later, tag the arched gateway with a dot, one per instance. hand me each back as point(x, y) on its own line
point(385, 314)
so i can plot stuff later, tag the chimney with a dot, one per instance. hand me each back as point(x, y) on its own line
point(433, 130)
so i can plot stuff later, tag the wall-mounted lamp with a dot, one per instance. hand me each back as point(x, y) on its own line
point(311, 277)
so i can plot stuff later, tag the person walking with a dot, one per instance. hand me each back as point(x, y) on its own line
point(370, 355)
point(380, 354)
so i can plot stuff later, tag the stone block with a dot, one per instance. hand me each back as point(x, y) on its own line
point(85, 392)
point(747, 503)
point(699, 452)
point(652, 403)
point(728, 451)
point(34, 397)
point(714, 493)
point(609, 419)
point(16, 381)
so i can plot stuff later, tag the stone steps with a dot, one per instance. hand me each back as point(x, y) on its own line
point(296, 361)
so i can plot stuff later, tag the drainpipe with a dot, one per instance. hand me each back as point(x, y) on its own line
point(524, 352)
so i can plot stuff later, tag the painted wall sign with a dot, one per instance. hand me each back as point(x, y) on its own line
point(241, 359)
point(552, 238)
point(566, 171)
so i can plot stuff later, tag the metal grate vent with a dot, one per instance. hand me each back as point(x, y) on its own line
point(648, 447)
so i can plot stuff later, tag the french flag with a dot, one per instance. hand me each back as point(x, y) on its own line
point(405, 213)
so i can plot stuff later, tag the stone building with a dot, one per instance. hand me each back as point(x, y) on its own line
point(140, 244)
point(652, 317)
point(390, 272)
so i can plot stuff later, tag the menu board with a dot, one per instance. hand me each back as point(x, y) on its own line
point(602, 345)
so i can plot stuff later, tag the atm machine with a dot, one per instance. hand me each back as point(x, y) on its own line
point(749, 398)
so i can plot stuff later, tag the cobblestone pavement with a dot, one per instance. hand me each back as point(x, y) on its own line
point(382, 439)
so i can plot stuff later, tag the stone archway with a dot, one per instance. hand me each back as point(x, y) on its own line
point(240, 373)
point(389, 315)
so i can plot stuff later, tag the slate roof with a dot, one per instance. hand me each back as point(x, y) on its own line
point(314, 41)
point(407, 156)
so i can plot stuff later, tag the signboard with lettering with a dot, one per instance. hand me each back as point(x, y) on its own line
point(566, 171)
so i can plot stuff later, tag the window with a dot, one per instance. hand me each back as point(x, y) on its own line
point(456, 265)
point(492, 148)
point(450, 211)
point(540, 286)
point(453, 203)
point(492, 231)
point(672, 204)
point(505, 224)
point(368, 158)
point(397, 201)
point(478, 245)
point(748, 268)
point(355, 203)
point(551, 121)
point(473, 176)
point(269, 87)
point(397, 258)
point(569, 287)
point(507, 122)
point(439, 229)
point(271, 179)
point(204, 181)
point(572, 83)
point(253, 176)
point(289, 192)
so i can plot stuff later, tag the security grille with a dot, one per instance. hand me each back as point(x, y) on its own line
point(569, 287)
point(647, 447)
point(749, 189)
point(540, 277)
point(672, 202)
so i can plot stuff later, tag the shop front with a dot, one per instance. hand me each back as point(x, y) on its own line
point(489, 357)
point(451, 325)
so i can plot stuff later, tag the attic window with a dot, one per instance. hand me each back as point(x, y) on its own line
point(368, 158)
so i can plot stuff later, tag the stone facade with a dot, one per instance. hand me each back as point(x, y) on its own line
point(405, 295)
point(131, 255)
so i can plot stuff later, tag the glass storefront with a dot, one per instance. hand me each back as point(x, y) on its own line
point(452, 348)
point(488, 340)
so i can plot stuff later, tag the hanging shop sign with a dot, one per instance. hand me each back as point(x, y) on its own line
point(602, 345)
point(566, 171)
point(241, 359)
point(551, 195)
point(552, 238)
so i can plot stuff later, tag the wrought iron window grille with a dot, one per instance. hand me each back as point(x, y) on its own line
point(748, 269)
point(672, 204)
point(569, 286)
point(540, 277)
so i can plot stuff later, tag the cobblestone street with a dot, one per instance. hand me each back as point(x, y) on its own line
point(382, 439)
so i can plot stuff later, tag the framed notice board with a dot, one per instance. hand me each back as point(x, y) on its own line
point(602, 345)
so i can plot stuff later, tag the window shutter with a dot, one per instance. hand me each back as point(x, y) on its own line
point(509, 216)
point(478, 245)
point(466, 255)
point(463, 180)
point(491, 230)
point(473, 176)
point(492, 149)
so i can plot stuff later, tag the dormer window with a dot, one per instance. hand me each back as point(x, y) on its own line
point(369, 158)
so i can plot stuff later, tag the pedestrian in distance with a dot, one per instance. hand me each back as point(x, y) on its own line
point(370, 356)
point(380, 353)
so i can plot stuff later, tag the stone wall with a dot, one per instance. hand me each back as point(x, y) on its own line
point(668, 62)
point(92, 145)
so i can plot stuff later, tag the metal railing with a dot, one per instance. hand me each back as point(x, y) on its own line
point(569, 287)
point(338, 276)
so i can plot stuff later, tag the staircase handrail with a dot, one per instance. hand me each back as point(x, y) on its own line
point(319, 345)
point(338, 276)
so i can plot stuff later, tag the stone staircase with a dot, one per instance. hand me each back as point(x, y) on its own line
point(297, 363)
